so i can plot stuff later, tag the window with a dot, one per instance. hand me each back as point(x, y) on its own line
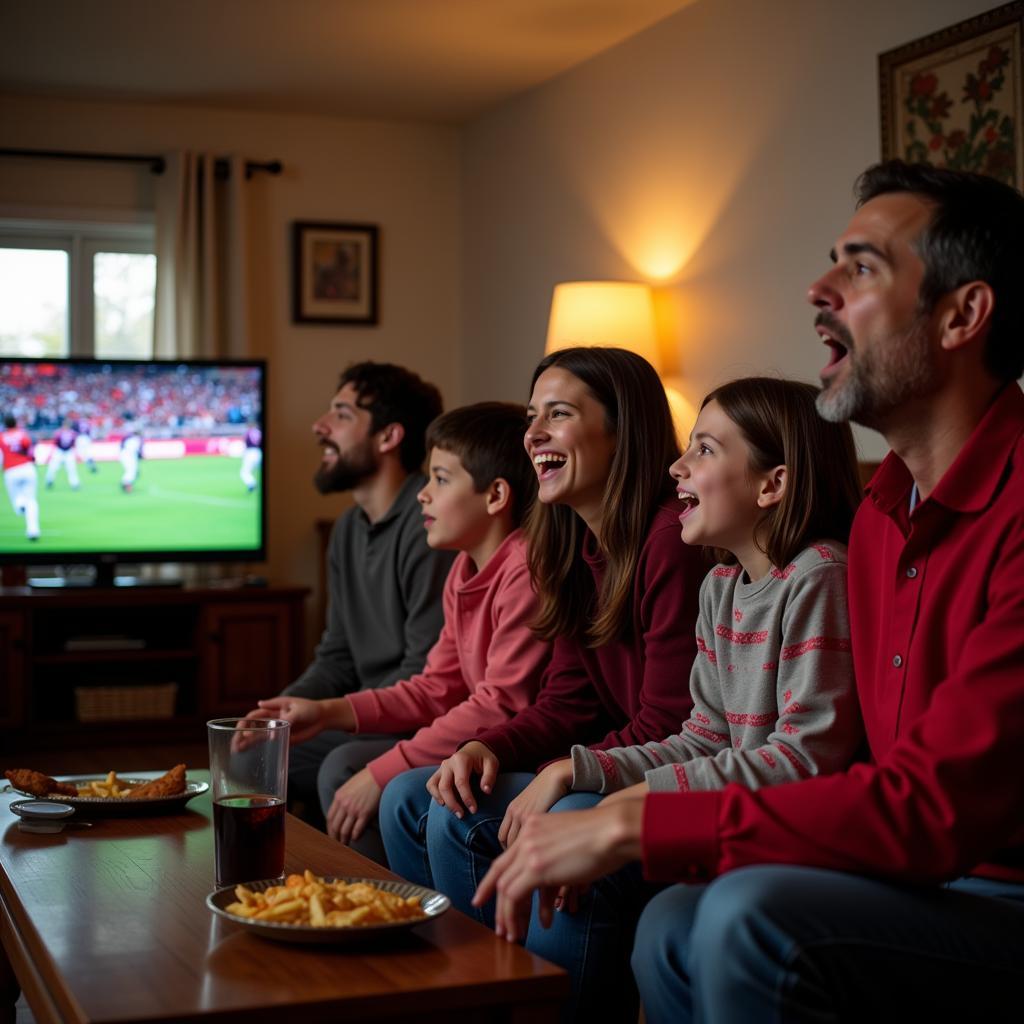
point(77, 289)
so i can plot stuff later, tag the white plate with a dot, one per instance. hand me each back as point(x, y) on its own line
point(433, 903)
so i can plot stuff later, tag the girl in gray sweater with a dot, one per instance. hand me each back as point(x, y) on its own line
point(772, 488)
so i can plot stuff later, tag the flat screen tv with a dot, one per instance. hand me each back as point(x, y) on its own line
point(108, 461)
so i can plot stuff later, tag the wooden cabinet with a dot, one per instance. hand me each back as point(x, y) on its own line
point(74, 664)
point(248, 651)
point(12, 658)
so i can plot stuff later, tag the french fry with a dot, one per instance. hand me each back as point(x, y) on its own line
point(317, 917)
point(284, 908)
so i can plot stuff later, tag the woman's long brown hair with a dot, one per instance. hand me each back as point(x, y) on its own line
point(637, 414)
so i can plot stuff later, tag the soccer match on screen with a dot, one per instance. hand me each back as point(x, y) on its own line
point(130, 457)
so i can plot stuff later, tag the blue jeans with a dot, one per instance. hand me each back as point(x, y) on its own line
point(402, 817)
point(427, 844)
point(805, 944)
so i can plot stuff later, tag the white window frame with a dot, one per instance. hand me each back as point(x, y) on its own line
point(81, 238)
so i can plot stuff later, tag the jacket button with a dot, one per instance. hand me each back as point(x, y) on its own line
point(911, 572)
point(897, 661)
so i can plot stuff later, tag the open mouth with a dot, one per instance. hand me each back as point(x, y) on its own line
point(837, 353)
point(690, 502)
point(838, 339)
point(548, 464)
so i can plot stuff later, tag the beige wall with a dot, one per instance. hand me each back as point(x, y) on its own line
point(713, 155)
point(404, 177)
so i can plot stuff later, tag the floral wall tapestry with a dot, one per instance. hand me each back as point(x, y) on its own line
point(953, 99)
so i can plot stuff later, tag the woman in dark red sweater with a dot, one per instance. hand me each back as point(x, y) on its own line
point(618, 597)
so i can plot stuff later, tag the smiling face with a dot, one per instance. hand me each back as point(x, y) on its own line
point(570, 444)
point(870, 317)
point(349, 452)
point(454, 512)
point(720, 490)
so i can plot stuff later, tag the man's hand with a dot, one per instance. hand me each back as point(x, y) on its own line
point(453, 781)
point(569, 896)
point(555, 850)
point(353, 807)
point(539, 796)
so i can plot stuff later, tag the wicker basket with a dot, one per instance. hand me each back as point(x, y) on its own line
point(117, 703)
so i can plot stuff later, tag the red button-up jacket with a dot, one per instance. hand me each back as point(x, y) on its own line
point(937, 621)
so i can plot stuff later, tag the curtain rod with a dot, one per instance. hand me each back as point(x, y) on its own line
point(157, 164)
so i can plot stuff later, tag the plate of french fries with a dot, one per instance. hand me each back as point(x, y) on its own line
point(113, 794)
point(311, 908)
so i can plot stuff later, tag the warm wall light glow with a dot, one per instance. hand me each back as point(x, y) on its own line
point(607, 313)
point(659, 232)
point(658, 257)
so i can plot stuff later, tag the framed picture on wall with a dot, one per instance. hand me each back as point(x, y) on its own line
point(953, 99)
point(334, 277)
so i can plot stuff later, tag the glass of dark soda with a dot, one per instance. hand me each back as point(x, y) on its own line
point(248, 782)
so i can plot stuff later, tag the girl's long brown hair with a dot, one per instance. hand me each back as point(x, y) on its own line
point(637, 414)
point(781, 425)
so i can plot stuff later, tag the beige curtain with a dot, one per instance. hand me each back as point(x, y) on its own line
point(201, 294)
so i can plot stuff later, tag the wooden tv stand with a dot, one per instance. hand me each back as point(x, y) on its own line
point(223, 647)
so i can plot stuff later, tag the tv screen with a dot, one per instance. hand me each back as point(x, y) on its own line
point(111, 460)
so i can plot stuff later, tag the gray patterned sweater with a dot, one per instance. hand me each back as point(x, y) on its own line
point(772, 687)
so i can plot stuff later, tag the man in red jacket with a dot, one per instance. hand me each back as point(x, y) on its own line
point(898, 885)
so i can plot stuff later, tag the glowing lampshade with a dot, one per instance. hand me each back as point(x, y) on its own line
point(615, 314)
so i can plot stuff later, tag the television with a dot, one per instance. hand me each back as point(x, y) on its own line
point(130, 461)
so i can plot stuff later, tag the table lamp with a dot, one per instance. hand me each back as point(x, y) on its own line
point(617, 314)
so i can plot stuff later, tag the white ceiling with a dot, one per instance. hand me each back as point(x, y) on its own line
point(436, 60)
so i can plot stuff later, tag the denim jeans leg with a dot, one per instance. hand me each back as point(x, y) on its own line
point(461, 850)
point(593, 942)
point(662, 935)
point(805, 944)
point(403, 825)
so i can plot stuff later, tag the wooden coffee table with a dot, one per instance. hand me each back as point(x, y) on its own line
point(109, 924)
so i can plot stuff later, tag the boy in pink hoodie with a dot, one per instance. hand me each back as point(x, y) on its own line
point(486, 665)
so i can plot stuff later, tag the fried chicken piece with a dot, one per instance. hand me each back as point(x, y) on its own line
point(38, 784)
point(169, 784)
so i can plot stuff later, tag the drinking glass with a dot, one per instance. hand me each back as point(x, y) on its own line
point(249, 785)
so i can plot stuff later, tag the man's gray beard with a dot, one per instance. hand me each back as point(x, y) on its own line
point(840, 404)
point(877, 386)
point(347, 472)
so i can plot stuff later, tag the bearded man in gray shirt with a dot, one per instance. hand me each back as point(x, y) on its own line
point(384, 582)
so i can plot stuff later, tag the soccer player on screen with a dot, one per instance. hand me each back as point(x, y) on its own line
point(63, 454)
point(131, 450)
point(83, 444)
point(18, 457)
point(252, 457)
